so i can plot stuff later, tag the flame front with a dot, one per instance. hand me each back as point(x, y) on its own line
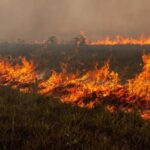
point(75, 89)
point(87, 90)
point(101, 82)
point(121, 40)
point(101, 85)
point(140, 85)
point(17, 75)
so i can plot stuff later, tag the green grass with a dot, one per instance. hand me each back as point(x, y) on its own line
point(29, 121)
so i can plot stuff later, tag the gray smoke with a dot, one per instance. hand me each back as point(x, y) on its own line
point(39, 19)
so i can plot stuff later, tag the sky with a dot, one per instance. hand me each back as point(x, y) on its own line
point(39, 19)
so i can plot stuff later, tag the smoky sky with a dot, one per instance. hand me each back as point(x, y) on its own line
point(39, 19)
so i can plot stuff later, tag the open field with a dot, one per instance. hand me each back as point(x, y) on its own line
point(32, 121)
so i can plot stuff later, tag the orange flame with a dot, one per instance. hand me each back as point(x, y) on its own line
point(17, 75)
point(100, 85)
point(99, 82)
point(140, 85)
point(121, 40)
point(87, 90)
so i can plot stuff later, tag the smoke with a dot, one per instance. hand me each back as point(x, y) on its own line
point(39, 19)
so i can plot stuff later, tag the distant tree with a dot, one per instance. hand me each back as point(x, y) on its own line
point(77, 41)
point(80, 40)
point(20, 41)
point(52, 40)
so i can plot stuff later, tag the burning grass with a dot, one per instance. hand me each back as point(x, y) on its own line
point(17, 73)
point(101, 85)
point(122, 40)
point(37, 119)
point(88, 90)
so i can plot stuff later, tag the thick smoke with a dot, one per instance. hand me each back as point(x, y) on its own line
point(38, 19)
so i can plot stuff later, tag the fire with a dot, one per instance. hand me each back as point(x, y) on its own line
point(92, 87)
point(86, 90)
point(140, 85)
point(121, 40)
point(17, 75)
point(56, 80)
point(100, 85)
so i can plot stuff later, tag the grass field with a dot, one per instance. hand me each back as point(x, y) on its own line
point(31, 121)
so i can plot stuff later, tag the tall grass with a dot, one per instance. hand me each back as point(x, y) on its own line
point(29, 121)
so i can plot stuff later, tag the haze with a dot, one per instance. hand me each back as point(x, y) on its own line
point(39, 19)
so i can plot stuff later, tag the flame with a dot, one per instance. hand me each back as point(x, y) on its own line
point(140, 85)
point(100, 85)
point(56, 80)
point(121, 40)
point(17, 75)
point(145, 114)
